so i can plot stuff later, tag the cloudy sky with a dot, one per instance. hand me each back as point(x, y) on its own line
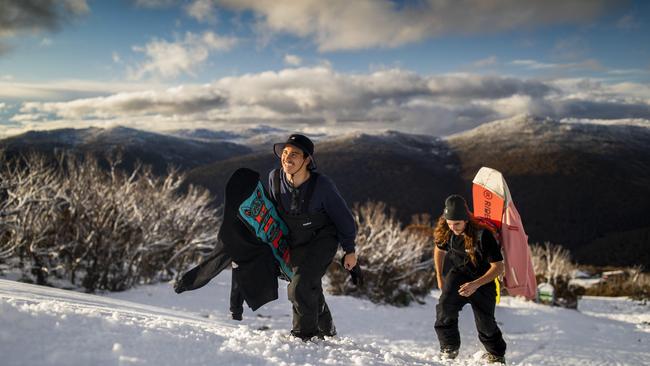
point(424, 66)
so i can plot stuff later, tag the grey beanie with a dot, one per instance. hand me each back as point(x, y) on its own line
point(456, 208)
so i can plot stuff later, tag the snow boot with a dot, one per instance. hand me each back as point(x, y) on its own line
point(305, 337)
point(491, 358)
point(448, 353)
point(330, 332)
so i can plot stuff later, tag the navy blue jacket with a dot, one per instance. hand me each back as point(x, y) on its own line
point(325, 199)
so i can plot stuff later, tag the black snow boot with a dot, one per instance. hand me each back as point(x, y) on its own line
point(448, 353)
point(492, 358)
point(328, 332)
point(305, 337)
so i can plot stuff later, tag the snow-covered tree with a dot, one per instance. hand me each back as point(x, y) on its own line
point(396, 262)
point(551, 262)
point(100, 228)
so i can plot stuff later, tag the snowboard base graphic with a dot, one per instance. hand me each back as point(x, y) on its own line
point(261, 216)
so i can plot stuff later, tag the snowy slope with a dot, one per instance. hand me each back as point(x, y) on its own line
point(152, 325)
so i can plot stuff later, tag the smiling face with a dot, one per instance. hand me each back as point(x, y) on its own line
point(457, 226)
point(293, 160)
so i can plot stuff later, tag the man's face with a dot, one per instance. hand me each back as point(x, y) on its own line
point(457, 226)
point(293, 159)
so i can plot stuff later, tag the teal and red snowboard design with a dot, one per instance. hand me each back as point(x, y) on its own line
point(259, 213)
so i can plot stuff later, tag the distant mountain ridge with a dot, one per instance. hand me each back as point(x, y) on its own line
point(257, 138)
point(223, 135)
point(154, 149)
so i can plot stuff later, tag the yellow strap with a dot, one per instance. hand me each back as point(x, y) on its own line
point(496, 280)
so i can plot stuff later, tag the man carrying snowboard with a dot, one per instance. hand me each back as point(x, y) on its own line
point(467, 259)
point(318, 220)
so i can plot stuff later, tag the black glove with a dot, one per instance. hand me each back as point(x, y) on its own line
point(355, 273)
point(179, 286)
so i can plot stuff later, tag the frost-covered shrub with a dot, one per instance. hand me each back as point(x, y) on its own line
point(396, 262)
point(101, 229)
point(635, 284)
point(551, 262)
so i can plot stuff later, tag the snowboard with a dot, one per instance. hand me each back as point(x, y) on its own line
point(493, 204)
point(260, 215)
point(489, 195)
point(252, 236)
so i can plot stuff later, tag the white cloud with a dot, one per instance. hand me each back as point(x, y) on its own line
point(116, 57)
point(170, 59)
point(63, 90)
point(486, 62)
point(640, 122)
point(292, 60)
point(27, 117)
point(628, 22)
point(216, 42)
point(202, 10)
point(77, 7)
point(185, 100)
point(154, 4)
point(344, 24)
point(4, 48)
point(321, 97)
point(532, 64)
point(589, 64)
point(46, 42)
point(626, 72)
point(571, 48)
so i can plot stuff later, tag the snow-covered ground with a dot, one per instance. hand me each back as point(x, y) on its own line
point(151, 325)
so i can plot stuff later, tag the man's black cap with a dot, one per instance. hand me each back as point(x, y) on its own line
point(456, 208)
point(300, 141)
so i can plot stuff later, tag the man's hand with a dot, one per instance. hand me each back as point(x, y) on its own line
point(467, 289)
point(349, 261)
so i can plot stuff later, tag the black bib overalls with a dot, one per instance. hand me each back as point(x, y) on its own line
point(313, 243)
point(457, 271)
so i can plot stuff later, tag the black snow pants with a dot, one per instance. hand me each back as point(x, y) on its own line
point(483, 303)
point(236, 298)
point(309, 263)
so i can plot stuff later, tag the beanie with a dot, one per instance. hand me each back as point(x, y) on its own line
point(456, 208)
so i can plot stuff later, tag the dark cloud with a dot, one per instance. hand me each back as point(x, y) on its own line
point(487, 87)
point(573, 108)
point(154, 4)
point(4, 49)
point(23, 16)
point(148, 105)
point(340, 25)
point(29, 15)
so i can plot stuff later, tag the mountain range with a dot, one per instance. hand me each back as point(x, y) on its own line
point(583, 186)
point(154, 149)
